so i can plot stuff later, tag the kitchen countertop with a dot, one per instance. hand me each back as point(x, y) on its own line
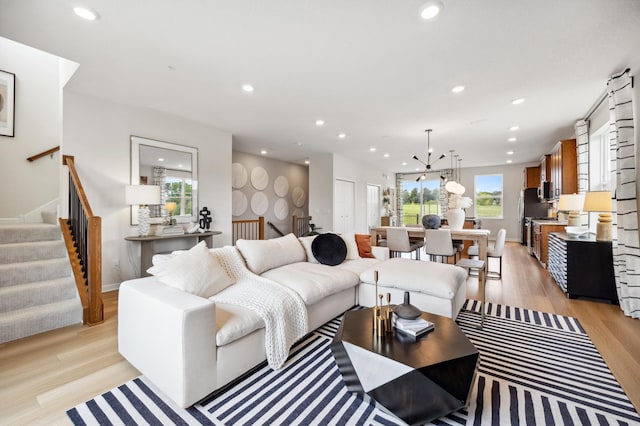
point(550, 222)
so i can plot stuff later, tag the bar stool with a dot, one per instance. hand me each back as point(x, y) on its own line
point(478, 266)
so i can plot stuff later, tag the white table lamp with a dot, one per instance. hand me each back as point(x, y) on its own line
point(142, 196)
point(572, 203)
point(600, 201)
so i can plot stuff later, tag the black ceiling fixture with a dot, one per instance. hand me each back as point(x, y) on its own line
point(428, 164)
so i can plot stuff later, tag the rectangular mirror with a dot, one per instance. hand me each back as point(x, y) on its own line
point(172, 167)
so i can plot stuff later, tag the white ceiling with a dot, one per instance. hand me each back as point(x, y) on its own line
point(370, 68)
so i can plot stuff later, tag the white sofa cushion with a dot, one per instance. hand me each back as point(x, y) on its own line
point(195, 271)
point(234, 322)
point(358, 266)
point(312, 281)
point(436, 279)
point(306, 243)
point(352, 246)
point(263, 255)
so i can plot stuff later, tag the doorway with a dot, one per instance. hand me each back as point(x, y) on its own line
point(344, 220)
point(373, 206)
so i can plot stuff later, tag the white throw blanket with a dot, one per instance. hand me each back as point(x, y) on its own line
point(282, 310)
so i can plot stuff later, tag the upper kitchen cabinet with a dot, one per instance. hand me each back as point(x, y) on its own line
point(532, 177)
point(563, 168)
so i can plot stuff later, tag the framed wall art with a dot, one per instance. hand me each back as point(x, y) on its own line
point(7, 103)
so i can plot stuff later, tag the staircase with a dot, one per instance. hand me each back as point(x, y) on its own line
point(37, 289)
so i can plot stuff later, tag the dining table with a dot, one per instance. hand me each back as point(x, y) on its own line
point(479, 236)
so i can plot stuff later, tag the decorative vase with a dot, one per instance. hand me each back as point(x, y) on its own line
point(455, 218)
point(407, 310)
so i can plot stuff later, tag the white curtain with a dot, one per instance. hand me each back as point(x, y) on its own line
point(626, 249)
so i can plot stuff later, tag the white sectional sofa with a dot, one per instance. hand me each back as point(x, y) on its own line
point(189, 345)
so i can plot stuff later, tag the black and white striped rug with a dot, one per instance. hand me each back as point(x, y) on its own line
point(535, 369)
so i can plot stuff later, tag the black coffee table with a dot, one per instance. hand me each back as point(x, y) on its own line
point(418, 380)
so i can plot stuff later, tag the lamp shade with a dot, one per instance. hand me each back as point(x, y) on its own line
point(571, 202)
point(142, 194)
point(597, 201)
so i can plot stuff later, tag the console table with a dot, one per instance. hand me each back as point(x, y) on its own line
point(155, 244)
point(582, 267)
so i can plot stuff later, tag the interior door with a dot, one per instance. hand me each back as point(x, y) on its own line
point(373, 205)
point(344, 219)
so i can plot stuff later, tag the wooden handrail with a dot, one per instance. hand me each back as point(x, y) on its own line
point(83, 236)
point(275, 228)
point(249, 229)
point(44, 153)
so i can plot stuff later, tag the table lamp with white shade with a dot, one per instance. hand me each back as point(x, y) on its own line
point(142, 196)
point(600, 201)
point(572, 203)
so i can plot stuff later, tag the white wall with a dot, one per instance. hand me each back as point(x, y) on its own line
point(321, 190)
point(38, 127)
point(97, 133)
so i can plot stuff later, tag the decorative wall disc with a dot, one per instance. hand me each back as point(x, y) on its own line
point(238, 203)
point(239, 175)
point(281, 209)
point(259, 178)
point(259, 203)
point(281, 186)
point(298, 196)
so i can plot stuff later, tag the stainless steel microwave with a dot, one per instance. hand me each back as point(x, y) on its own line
point(544, 191)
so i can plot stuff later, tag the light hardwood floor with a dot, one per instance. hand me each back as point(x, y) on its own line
point(42, 376)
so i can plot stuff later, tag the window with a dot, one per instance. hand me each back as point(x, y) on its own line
point(488, 196)
point(420, 198)
point(600, 165)
point(180, 190)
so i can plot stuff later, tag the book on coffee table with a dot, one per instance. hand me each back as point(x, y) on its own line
point(413, 327)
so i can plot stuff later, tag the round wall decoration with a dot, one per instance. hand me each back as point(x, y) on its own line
point(239, 175)
point(259, 203)
point(259, 178)
point(298, 196)
point(238, 203)
point(281, 209)
point(281, 186)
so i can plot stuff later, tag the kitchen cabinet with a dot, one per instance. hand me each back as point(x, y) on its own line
point(541, 231)
point(531, 177)
point(545, 168)
point(582, 267)
point(563, 165)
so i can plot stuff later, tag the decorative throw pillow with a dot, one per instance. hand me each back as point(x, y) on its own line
point(352, 247)
point(364, 245)
point(262, 255)
point(306, 243)
point(195, 271)
point(329, 249)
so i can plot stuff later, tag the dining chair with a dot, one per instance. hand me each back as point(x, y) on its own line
point(398, 242)
point(437, 242)
point(496, 252)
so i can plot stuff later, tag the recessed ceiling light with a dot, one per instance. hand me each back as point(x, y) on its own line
point(509, 161)
point(404, 163)
point(161, 159)
point(417, 169)
point(342, 135)
point(509, 152)
point(372, 149)
point(386, 155)
point(263, 152)
point(512, 139)
point(307, 162)
point(458, 89)
point(430, 9)
point(180, 165)
point(85, 13)
point(247, 88)
point(514, 128)
point(319, 122)
point(517, 101)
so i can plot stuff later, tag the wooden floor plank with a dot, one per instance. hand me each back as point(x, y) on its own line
point(42, 376)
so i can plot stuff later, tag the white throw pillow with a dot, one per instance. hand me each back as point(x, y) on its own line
point(352, 246)
point(262, 255)
point(195, 271)
point(306, 243)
